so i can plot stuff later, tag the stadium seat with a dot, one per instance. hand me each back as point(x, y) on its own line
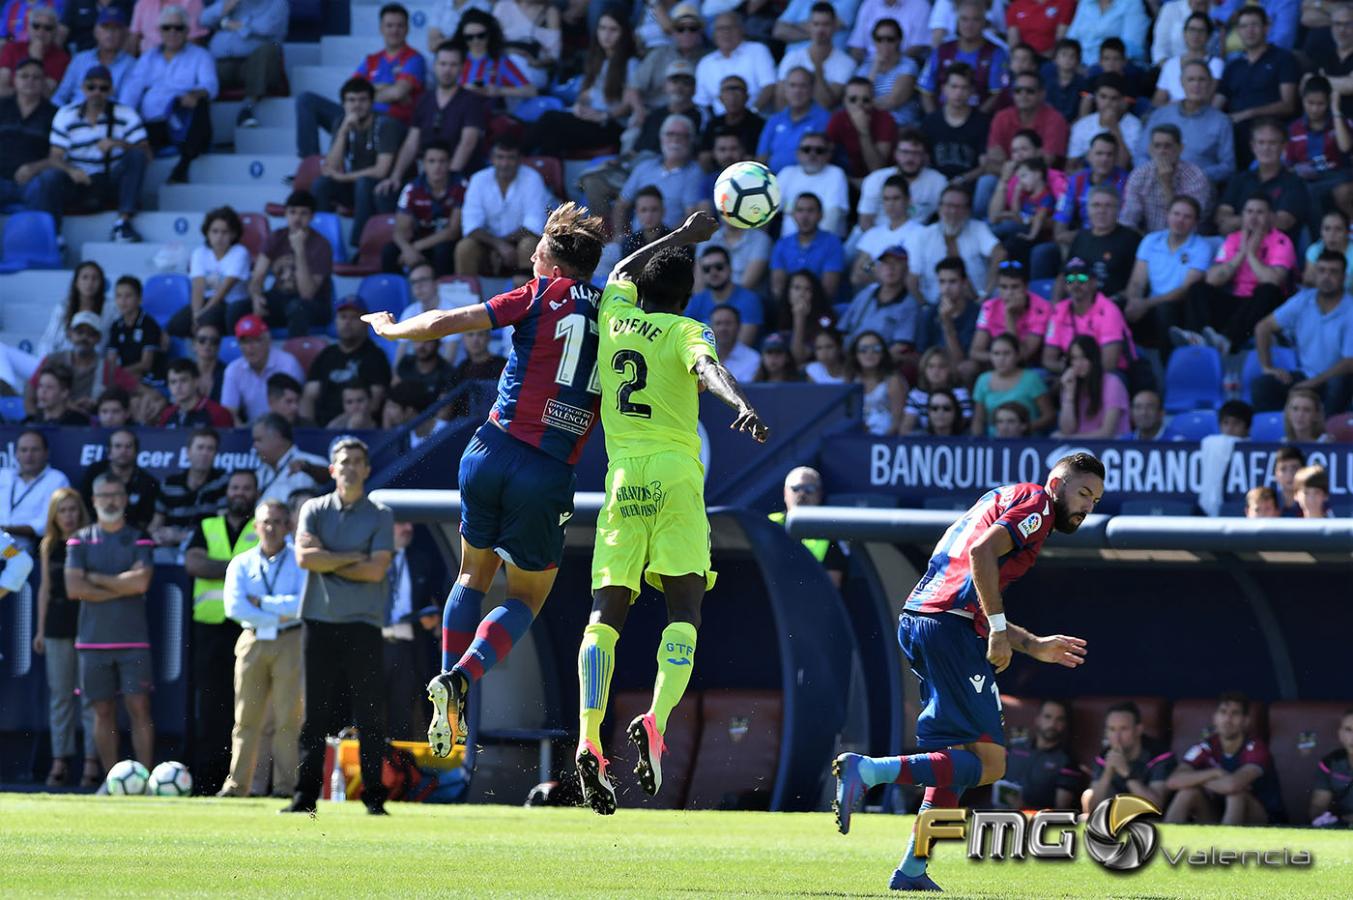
point(1267, 426)
point(30, 242)
point(1283, 358)
point(739, 750)
point(378, 231)
point(305, 349)
point(11, 409)
point(1300, 733)
point(306, 172)
point(181, 348)
point(230, 349)
point(328, 225)
point(682, 737)
point(1193, 425)
point(1043, 288)
point(533, 108)
point(1340, 427)
point(1087, 723)
point(165, 294)
point(384, 291)
point(470, 281)
point(551, 171)
point(1193, 379)
point(256, 231)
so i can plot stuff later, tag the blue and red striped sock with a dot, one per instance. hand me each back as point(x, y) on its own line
point(941, 768)
point(501, 628)
point(459, 618)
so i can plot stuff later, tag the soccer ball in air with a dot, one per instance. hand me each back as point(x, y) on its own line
point(128, 778)
point(170, 779)
point(747, 195)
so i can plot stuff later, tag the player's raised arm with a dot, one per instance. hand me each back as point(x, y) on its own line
point(698, 227)
point(721, 383)
point(430, 325)
point(984, 560)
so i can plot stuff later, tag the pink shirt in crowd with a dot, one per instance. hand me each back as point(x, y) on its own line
point(1276, 250)
point(1103, 321)
point(1112, 396)
point(991, 318)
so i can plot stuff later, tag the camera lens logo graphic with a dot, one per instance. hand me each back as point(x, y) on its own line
point(1115, 840)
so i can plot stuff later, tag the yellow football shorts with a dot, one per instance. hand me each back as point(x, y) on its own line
point(653, 523)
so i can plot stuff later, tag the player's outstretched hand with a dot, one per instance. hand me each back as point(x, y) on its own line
point(380, 321)
point(998, 650)
point(1060, 649)
point(748, 421)
point(700, 225)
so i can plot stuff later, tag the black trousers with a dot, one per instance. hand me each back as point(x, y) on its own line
point(401, 687)
point(195, 142)
point(557, 133)
point(336, 657)
point(213, 703)
point(1233, 317)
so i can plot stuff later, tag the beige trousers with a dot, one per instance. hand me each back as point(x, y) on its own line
point(264, 670)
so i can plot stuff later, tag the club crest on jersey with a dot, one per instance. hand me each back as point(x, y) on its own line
point(707, 336)
point(1031, 524)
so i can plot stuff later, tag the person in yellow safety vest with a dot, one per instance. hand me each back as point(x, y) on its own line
point(803, 486)
point(216, 540)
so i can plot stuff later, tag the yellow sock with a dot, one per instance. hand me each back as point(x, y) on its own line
point(676, 659)
point(596, 662)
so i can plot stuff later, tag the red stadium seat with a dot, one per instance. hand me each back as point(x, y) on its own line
point(256, 231)
point(305, 176)
point(305, 349)
point(378, 231)
point(739, 750)
point(1340, 427)
point(551, 171)
point(1300, 733)
point(683, 735)
point(1087, 723)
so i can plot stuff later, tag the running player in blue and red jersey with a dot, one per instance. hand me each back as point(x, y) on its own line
point(955, 634)
point(516, 475)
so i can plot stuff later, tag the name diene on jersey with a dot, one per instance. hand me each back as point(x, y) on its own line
point(642, 327)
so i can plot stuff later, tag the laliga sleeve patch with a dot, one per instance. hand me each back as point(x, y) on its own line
point(1030, 525)
point(707, 335)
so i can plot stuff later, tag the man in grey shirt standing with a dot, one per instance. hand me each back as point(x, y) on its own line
point(108, 569)
point(344, 542)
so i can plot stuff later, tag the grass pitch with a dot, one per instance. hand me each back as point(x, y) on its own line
point(141, 847)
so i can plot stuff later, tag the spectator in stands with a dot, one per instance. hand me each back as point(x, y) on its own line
point(957, 132)
point(1087, 312)
point(803, 487)
point(1147, 416)
point(189, 496)
point(108, 50)
point(733, 54)
point(25, 130)
point(1334, 236)
point(735, 122)
point(1101, 170)
point(1029, 112)
point(262, 593)
point(148, 405)
point(1129, 762)
point(119, 460)
point(503, 215)
point(1206, 133)
point(1234, 418)
point(649, 211)
point(113, 408)
point(533, 34)
point(282, 466)
point(1014, 310)
point(1093, 404)
point(219, 270)
point(26, 489)
point(894, 228)
point(1020, 211)
point(675, 173)
point(426, 368)
point(816, 175)
point(80, 19)
point(1304, 418)
point(1287, 461)
point(1064, 79)
point(891, 74)
point(1332, 795)
point(985, 60)
point(1286, 192)
point(1155, 184)
point(924, 184)
point(207, 355)
point(777, 366)
point(190, 408)
point(1229, 777)
point(426, 297)
point(89, 372)
point(944, 415)
point(300, 260)
point(108, 566)
point(146, 33)
point(1110, 244)
point(869, 365)
point(1244, 283)
point(687, 44)
point(215, 542)
point(829, 66)
point(52, 400)
point(1112, 117)
point(88, 288)
point(245, 388)
point(479, 363)
point(446, 116)
point(798, 117)
point(1168, 263)
point(809, 247)
point(1041, 773)
point(488, 70)
point(1176, 43)
point(864, 133)
point(1125, 19)
point(446, 23)
point(284, 398)
point(397, 71)
point(950, 323)
point(55, 642)
point(956, 230)
point(1260, 81)
point(42, 46)
point(405, 401)
point(740, 360)
point(246, 42)
point(1261, 503)
point(1011, 421)
point(1319, 146)
point(934, 373)
point(360, 157)
point(427, 220)
point(135, 341)
point(356, 408)
point(1332, 55)
point(887, 307)
point(1038, 24)
point(911, 16)
point(720, 289)
point(828, 362)
point(1010, 382)
point(749, 251)
point(170, 87)
point(1318, 322)
point(353, 358)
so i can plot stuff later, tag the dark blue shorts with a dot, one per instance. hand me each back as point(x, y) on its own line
point(514, 499)
point(960, 703)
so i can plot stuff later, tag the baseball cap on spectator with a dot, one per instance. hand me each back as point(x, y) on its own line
point(26, 62)
point(85, 317)
point(774, 342)
point(687, 11)
point(250, 326)
point(112, 15)
point(1077, 266)
point(680, 68)
point(352, 301)
point(895, 250)
point(99, 73)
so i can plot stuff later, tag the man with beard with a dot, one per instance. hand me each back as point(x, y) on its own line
point(1040, 773)
point(959, 731)
point(215, 542)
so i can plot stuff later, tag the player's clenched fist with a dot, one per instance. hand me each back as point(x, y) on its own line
point(998, 650)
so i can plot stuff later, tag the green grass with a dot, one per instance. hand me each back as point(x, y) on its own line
point(139, 847)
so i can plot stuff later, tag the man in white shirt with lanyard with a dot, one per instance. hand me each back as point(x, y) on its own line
point(263, 589)
point(282, 466)
point(26, 489)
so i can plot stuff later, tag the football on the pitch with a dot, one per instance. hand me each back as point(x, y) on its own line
point(128, 778)
point(170, 779)
point(747, 195)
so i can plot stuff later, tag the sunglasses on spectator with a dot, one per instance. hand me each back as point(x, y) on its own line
point(803, 488)
point(1010, 264)
point(944, 408)
point(98, 87)
point(476, 35)
point(1077, 279)
point(35, 26)
point(858, 100)
point(173, 27)
point(713, 267)
point(814, 150)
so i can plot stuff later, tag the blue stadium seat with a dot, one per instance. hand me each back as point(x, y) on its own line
point(533, 108)
point(1042, 287)
point(11, 409)
point(30, 242)
point(327, 224)
point(1283, 358)
point(165, 294)
point(1193, 425)
point(1193, 379)
point(384, 291)
point(230, 349)
point(181, 348)
point(1267, 426)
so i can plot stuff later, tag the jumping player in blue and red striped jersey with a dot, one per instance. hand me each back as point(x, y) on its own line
point(955, 634)
point(516, 475)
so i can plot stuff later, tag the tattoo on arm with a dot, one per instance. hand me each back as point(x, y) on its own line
point(721, 383)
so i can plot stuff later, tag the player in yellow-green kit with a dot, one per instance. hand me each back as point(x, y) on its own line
point(653, 362)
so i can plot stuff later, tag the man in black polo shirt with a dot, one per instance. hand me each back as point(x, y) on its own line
point(1128, 764)
point(1110, 247)
point(1259, 81)
point(1040, 774)
point(25, 128)
point(361, 155)
point(1283, 187)
point(353, 358)
point(143, 489)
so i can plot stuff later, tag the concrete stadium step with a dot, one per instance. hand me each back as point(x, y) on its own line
point(29, 298)
point(322, 80)
point(141, 260)
point(157, 173)
point(154, 227)
point(272, 112)
point(305, 53)
point(348, 50)
point(272, 140)
point(196, 199)
point(242, 169)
